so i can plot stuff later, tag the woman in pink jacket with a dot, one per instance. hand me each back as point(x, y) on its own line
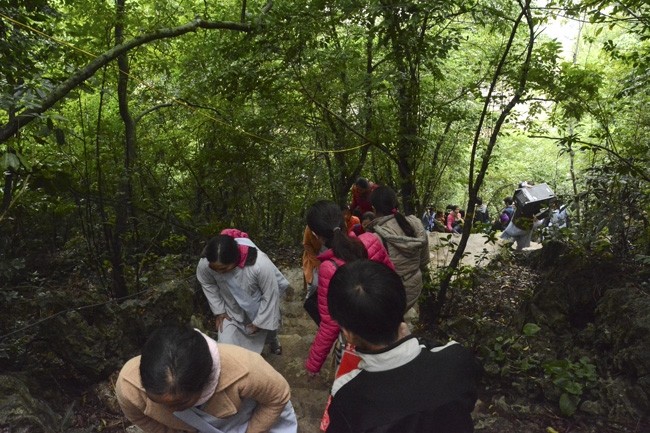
point(325, 220)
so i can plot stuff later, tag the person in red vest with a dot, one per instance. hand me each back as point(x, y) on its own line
point(361, 196)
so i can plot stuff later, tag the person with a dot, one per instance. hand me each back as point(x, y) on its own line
point(506, 214)
point(366, 218)
point(453, 219)
point(559, 217)
point(460, 219)
point(439, 222)
point(481, 214)
point(185, 381)
point(243, 288)
point(324, 218)
point(312, 247)
point(522, 223)
point(360, 196)
point(350, 220)
point(428, 218)
point(405, 240)
point(399, 385)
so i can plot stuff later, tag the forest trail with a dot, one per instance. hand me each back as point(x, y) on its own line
point(309, 395)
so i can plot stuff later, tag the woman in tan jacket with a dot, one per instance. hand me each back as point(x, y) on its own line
point(405, 240)
point(185, 381)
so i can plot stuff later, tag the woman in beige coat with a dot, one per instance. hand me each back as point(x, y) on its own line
point(405, 239)
point(185, 381)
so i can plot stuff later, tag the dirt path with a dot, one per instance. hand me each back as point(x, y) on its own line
point(477, 252)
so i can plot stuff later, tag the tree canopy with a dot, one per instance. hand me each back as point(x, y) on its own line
point(134, 131)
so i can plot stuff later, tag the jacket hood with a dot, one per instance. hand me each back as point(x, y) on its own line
point(390, 232)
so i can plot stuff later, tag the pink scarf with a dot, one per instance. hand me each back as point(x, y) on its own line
point(211, 386)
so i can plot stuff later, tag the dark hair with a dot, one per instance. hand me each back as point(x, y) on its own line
point(225, 250)
point(384, 200)
point(362, 182)
point(175, 360)
point(368, 299)
point(368, 216)
point(326, 219)
point(479, 201)
point(507, 201)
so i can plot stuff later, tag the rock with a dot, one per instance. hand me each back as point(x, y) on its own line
point(23, 413)
point(591, 407)
point(105, 392)
point(84, 346)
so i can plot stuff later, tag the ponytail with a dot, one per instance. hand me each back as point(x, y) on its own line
point(346, 248)
point(326, 220)
point(406, 227)
point(384, 200)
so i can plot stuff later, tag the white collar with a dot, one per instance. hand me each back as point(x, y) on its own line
point(402, 353)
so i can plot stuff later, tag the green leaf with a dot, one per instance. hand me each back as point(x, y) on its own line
point(568, 404)
point(573, 388)
point(10, 161)
point(23, 162)
point(531, 329)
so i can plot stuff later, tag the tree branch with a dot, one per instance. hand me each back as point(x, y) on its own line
point(151, 110)
point(27, 116)
point(632, 167)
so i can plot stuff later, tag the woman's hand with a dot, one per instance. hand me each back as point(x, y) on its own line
point(218, 321)
point(252, 329)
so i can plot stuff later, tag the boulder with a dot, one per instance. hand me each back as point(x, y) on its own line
point(21, 412)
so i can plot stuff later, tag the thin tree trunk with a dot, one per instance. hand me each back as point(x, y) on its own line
point(7, 191)
point(123, 195)
point(475, 184)
point(106, 224)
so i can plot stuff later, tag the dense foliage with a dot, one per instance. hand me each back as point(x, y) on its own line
point(130, 132)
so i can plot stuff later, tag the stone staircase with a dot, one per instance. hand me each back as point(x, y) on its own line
point(308, 395)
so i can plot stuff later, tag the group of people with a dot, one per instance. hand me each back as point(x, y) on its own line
point(453, 218)
point(365, 274)
point(517, 223)
point(449, 221)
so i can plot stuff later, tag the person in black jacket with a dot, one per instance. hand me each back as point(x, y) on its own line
point(400, 386)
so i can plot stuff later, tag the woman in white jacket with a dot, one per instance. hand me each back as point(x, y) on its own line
point(243, 288)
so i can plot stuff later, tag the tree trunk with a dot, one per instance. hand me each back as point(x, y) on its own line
point(476, 183)
point(7, 191)
point(407, 61)
point(124, 189)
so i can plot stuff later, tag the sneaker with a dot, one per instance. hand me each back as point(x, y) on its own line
point(276, 348)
